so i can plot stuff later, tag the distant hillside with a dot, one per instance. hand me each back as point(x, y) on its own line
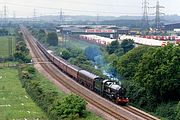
point(130, 21)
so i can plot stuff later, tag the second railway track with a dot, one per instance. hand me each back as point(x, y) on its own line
point(115, 111)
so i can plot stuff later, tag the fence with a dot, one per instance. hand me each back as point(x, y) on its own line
point(2, 65)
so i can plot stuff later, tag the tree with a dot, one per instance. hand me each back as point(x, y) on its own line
point(75, 52)
point(120, 49)
point(158, 72)
point(113, 47)
point(22, 52)
point(41, 35)
point(71, 106)
point(127, 64)
point(178, 111)
point(127, 45)
point(3, 32)
point(52, 39)
point(66, 54)
point(21, 46)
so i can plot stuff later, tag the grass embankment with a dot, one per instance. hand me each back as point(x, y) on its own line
point(54, 102)
point(48, 84)
point(6, 45)
point(14, 101)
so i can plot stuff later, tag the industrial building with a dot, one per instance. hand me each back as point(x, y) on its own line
point(100, 30)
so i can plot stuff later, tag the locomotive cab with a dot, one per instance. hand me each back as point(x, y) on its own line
point(111, 89)
point(115, 92)
point(121, 99)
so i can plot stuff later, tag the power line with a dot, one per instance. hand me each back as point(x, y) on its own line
point(61, 17)
point(88, 3)
point(99, 4)
point(72, 10)
point(34, 15)
point(158, 23)
point(97, 19)
point(145, 21)
point(5, 15)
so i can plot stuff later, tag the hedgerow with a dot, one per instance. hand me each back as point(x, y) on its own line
point(57, 105)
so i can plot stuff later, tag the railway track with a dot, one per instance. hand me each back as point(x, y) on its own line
point(140, 113)
point(114, 110)
point(62, 80)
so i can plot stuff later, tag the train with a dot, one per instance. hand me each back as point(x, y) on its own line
point(107, 88)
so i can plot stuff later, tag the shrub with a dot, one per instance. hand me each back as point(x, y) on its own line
point(178, 111)
point(56, 106)
point(167, 110)
point(71, 106)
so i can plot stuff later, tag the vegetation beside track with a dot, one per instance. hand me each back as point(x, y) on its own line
point(22, 52)
point(151, 75)
point(15, 103)
point(56, 104)
point(152, 79)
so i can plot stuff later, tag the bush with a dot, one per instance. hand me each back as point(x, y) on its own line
point(55, 105)
point(31, 70)
point(71, 106)
point(178, 111)
point(66, 54)
point(22, 52)
point(52, 39)
point(167, 110)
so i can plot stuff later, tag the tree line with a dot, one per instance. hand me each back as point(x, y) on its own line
point(151, 75)
point(21, 51)
point(152, 78)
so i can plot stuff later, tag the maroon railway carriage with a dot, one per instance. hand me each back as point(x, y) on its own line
point(73, 70)
point(62, 65)
point(87, 79)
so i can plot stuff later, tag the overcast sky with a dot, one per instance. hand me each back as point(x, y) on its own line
point(25, 8)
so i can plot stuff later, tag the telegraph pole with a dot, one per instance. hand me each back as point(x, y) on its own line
point(158, 24)
point(61, 22)
point(1, 17)
point(145, 21)
point(61, 17)
point(10, 47)
point(14, 15)
point(97, 19)
point(34, 15)
point(5, 15)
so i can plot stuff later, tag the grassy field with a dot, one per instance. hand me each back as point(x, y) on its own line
point(4, 45)
point(69, 42)
point(14, 101)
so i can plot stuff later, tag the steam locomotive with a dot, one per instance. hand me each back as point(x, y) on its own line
point(106, 88)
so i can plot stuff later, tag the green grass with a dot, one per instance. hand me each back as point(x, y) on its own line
point(48, 84)
point(14, 101)
point(69, 42)
point(4, 45)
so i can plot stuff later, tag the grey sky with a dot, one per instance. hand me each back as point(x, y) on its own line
point(25, 8)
